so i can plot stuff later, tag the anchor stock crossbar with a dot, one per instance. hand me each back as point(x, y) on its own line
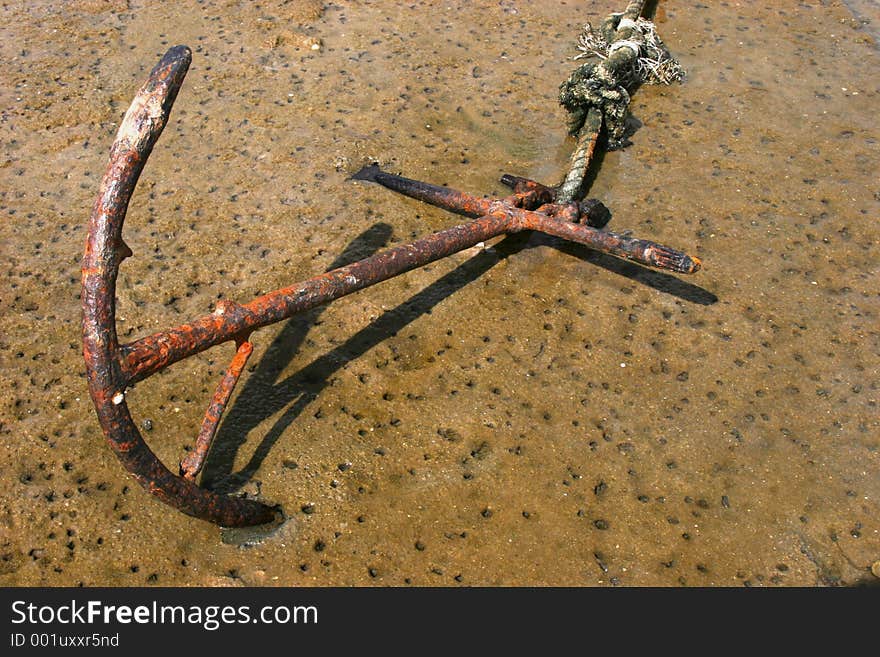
point(113, 367)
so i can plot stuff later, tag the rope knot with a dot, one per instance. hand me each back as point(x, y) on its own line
point(629, 53)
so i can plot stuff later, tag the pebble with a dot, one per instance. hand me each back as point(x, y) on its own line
point(218, 581)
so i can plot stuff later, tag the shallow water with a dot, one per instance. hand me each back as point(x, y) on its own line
point(528, 413)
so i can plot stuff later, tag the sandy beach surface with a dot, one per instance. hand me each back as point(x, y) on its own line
point(522, 413)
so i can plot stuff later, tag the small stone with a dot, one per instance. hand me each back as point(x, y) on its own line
point(875, 569)
point(216, 581)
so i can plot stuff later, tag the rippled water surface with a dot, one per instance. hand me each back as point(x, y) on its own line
point(526, 413)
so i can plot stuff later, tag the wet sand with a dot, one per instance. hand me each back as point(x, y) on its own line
point(530, 413)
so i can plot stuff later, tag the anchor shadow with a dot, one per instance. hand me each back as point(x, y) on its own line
point(263, 394)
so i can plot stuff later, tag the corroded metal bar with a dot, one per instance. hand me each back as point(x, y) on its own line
point(141, 127)
point(519, 185)
point(644, 252)
point(192, 464)
point(441, 197)
point(560, 220)
point(153, 353)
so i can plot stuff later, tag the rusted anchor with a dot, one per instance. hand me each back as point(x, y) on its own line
point(112, 367)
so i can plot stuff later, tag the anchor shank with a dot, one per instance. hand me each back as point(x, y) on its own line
point(146, 356)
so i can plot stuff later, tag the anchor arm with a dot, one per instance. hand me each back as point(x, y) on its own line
point(141, 127)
